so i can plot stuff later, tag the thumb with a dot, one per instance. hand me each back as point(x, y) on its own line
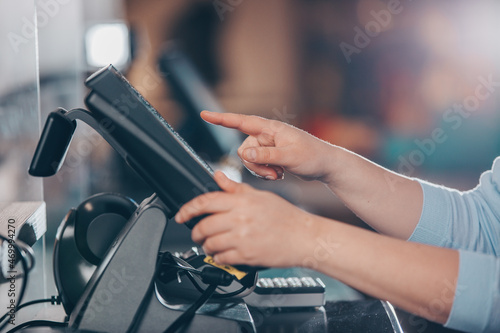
point(265, 155)
point(226, 184)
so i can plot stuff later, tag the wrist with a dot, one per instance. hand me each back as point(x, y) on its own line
point(315, 244)
point(332, 165)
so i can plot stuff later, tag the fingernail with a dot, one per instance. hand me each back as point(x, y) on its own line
point(177, 218)
point(220, 176)
point(250, 154)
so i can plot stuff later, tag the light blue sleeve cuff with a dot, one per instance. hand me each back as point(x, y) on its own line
point(476, 306)
point(434, 225)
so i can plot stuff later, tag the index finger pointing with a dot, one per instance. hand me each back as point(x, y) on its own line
point(250, 125)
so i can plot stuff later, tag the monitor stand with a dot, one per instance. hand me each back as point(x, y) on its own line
point(120, 296)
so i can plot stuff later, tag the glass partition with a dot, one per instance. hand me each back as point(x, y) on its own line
point(19, 101)
point(22, 209)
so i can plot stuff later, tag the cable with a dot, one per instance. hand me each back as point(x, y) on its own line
point(29, 252)
point(37, 323)
point(53, 300)
point(25, 251)
point(185, 265)
point(195, 284)
point(182, 264)
point(212, 276)
point(230, 294)
point(189, 313)
point(216, 296)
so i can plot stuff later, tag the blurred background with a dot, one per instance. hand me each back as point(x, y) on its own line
point(412, 85)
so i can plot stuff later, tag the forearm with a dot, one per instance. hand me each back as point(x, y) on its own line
point(418, 278)
point(389, 202)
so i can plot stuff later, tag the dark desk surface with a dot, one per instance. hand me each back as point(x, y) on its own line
point(346, 316)
point(346, 310)
point(367, 316)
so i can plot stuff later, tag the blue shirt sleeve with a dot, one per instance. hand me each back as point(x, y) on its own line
point(469, 222)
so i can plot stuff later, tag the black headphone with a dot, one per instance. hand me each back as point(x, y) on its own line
point(82, 240)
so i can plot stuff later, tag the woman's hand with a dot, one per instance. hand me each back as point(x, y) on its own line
point(390, 203)
point(273, 146)
point(248, 226)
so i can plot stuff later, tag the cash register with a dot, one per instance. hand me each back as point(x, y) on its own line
point(109, 270)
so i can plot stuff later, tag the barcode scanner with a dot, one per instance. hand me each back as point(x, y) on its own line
point(53, 144)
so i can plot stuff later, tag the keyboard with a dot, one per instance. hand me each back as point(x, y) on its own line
point(281, 292)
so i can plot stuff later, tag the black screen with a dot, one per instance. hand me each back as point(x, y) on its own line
point(146, 141)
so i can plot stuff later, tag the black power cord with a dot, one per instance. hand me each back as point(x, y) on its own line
point(215, 296)
point(207, 275)
point(54, 300)
point(27, 262)
point(38, 323)
point(25, 251)
point(212, 276)
point(184, 318)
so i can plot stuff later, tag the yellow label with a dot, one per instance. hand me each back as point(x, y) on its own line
point(230, 269)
